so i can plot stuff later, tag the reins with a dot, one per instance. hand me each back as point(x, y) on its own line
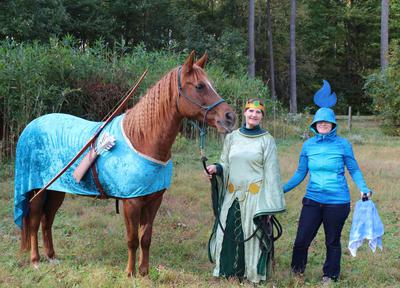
point(94, 137)
point(235, 240)
point(268, 226)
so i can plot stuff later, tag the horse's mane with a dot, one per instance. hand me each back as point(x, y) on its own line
point(146, 118)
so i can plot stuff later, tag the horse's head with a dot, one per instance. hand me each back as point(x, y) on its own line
point(198, 99)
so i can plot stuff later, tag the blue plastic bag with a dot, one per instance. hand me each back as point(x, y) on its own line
point(366, 224)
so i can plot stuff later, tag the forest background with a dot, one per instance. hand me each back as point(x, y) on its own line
point(80, 56)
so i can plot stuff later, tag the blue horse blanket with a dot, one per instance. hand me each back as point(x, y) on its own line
point(49, 142)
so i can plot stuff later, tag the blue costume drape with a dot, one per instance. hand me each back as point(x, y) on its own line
point(49, 142)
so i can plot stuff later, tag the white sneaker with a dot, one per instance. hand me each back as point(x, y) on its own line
point(326, 281)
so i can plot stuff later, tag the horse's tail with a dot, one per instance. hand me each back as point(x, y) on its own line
point(25, 234)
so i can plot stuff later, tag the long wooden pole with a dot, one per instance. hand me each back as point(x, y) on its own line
point(93, 138)
point(349, 116)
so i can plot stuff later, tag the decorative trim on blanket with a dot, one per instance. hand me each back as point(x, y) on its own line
point(141, 154)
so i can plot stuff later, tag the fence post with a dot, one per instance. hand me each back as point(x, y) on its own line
point(349, 119)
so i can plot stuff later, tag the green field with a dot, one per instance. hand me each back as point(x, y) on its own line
point(90, 237)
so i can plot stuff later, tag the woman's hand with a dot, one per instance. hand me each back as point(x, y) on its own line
point(212, 169)
point(368, 194)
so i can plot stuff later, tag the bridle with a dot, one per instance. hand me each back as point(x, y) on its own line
point(193, 101)
point(207, 109)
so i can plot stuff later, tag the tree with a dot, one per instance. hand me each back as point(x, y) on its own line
point(384, 33)
point(342, 38)
point(252, 66)
point(88, 20)
point(25, 20)
point(293, 93)
point(384, 88)
point(270, 50)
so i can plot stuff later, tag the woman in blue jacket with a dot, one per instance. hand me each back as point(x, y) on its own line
point(327, 198)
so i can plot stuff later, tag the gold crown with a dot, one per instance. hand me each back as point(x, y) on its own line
point(255, 105)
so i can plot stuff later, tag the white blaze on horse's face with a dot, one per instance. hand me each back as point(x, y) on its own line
point(201, 100)
point(211, 87)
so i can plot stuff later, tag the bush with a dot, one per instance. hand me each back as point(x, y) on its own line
point(61, 76)
point(384, 88)
point(237, 89)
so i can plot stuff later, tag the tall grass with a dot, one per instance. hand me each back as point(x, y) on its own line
point(90, 237)
point(37, 79)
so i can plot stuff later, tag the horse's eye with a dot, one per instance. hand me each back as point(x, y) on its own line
point(200, 86)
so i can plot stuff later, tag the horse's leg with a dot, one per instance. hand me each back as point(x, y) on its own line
point(53, 202)
point(132, 209)
point(35, 213)
point(147, 216)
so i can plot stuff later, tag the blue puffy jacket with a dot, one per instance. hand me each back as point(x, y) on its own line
point(325, 157)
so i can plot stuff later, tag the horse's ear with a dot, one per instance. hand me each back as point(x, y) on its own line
point(189, 62)
point(202, 61)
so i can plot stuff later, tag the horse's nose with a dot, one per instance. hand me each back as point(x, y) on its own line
point(230, 119)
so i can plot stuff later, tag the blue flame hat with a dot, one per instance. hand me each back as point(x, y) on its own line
point(325, 99)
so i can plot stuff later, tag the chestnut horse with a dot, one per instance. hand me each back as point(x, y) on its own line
point(150, 128)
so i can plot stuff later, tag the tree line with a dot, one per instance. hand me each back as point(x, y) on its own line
point(62, 55)
point(337, 40)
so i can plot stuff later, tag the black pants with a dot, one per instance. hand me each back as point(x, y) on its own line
point(332, 216)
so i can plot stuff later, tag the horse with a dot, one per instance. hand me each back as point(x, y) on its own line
point(145, 134)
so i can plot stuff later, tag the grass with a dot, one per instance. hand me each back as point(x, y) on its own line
point(90, 237)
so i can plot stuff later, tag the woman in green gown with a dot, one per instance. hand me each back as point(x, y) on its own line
point(251, 190)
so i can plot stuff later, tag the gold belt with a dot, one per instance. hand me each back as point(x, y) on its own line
point(254, 188)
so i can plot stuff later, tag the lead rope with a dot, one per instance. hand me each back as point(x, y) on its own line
point(202, 137)
point(202, 133)
point(274, 221)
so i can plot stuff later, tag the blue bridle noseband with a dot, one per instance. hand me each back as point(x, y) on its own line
point(193, 101)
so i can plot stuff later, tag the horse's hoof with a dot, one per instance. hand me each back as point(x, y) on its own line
point(54, 261)
point(144, 271)
point(129, 274)
point(35, 265)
